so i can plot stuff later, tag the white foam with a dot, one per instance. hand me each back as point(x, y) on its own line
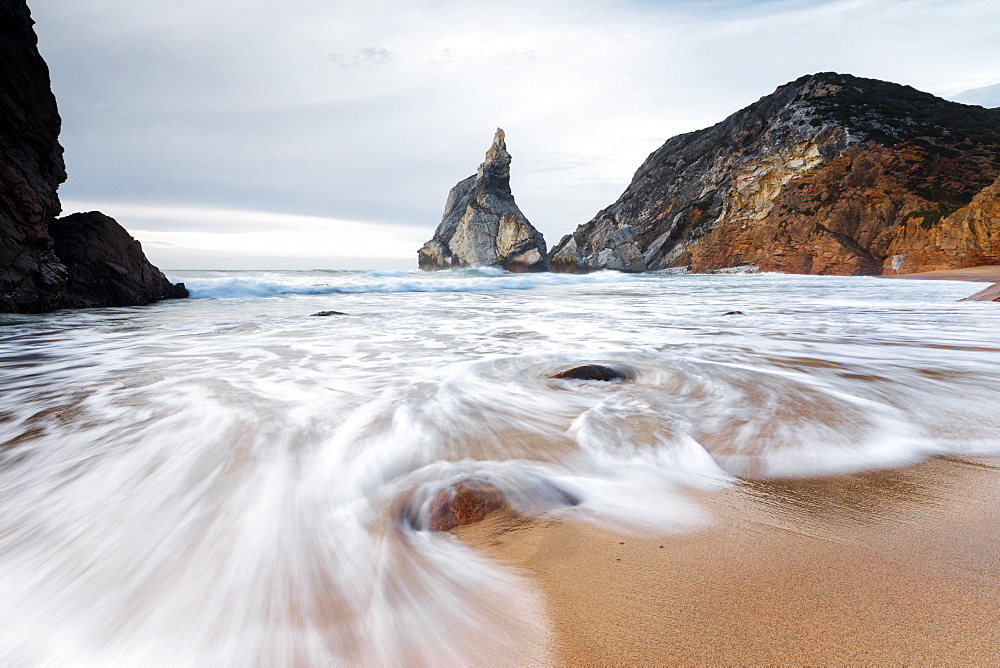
point(229, 482)
point(483, 279)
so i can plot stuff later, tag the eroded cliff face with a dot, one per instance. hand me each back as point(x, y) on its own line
point(31, 169)
point(482, 225)
point(830, 174)
point(48, 263)
point(105, 265)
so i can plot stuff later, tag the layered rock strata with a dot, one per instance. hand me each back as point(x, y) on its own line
point(990, 294)
point(482, 225)
point(830, 174)
point(47, 263)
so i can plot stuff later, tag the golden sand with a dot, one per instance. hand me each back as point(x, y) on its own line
point(890, 567)
point(986, 274)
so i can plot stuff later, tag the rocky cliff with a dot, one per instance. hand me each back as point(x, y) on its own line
point(31, 169)
point(482, 225)
point(37, 271)
point(830, 174)
point(105, 265)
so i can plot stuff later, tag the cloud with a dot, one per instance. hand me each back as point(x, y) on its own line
point(289, 240)
point(985, 96)
point(234, 105)
point(368, 57)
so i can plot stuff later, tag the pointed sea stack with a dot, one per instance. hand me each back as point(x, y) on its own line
point(482, 225)
point(829, 174)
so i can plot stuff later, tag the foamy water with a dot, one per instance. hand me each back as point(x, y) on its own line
point(229, 481)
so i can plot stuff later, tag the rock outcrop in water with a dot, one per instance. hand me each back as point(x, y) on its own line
point(482, 225)
point(47, 263)
point(990, 294)
point(105, 265)
point(466, 502)
point(830, 174)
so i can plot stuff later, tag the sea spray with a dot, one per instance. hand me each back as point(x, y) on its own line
point(228, 481)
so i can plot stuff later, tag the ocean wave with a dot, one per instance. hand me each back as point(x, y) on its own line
point(271, 284)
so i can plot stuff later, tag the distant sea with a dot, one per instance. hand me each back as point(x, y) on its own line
point(229, 480)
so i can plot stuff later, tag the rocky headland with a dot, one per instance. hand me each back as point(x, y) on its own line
point(47, 262)
point(830, 174)
point(482, 225)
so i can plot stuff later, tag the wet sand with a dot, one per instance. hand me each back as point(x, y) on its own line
point(898, 566)
point(985, 274)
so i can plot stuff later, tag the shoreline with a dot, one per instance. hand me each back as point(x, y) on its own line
point(888, 566)
point(983, 274)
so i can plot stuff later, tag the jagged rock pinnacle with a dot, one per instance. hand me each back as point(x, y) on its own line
point(482, 225)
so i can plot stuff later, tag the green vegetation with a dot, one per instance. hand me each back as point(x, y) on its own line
point(930, 217)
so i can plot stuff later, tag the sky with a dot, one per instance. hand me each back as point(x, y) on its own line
point(326, 133)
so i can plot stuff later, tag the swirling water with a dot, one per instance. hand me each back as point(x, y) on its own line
point(227, 480)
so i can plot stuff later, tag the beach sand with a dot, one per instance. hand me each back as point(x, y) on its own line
point(986, 274)
point(897, 566)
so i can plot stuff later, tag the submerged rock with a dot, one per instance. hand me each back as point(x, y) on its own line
point(592, 372)
point(990, 294)
point(482, 225)
point(466, 502)
point(324, 314)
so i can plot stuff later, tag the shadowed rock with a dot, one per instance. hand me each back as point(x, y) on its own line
point(105, 265)
point(31, 169)
point(482, 225)
point(46, 263)
point(592, 372)
point(466, 502)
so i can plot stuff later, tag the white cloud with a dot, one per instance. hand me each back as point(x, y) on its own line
point(370, 110)
point(172, 232)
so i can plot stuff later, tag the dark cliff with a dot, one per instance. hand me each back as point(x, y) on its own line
point(31, 169)
point(482, 225)
point(38, 271)
point(830, 174)
point(106, 266)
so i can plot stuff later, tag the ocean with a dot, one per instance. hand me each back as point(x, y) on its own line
point(229, 480)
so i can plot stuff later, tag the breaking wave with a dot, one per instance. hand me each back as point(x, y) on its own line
point(230, 482)
point(225, 284)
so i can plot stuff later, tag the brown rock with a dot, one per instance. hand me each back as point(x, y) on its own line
point(830, 174)
point(466, 502)
point(990, 294)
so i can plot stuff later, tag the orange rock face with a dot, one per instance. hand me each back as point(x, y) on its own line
point(465, 502)
point(830, 174)
point(860, 215)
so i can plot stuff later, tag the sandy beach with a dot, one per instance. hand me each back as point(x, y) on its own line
point(897, 566)
point(985, 274)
